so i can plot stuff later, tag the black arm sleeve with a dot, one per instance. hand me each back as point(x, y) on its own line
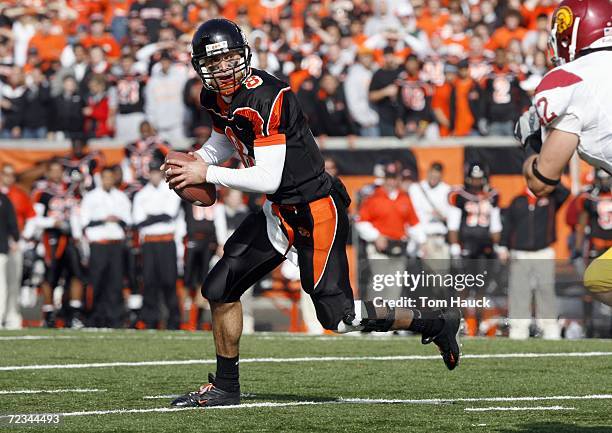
point(154, 219)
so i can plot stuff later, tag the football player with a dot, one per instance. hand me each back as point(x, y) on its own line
point(572, 107)
point(304, 219)
point(474, 230)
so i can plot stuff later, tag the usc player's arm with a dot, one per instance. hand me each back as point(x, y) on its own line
point(558, 106)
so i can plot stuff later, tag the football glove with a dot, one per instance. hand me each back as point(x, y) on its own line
point(527, 130)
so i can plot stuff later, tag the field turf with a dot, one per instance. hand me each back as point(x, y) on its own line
point(295, 383)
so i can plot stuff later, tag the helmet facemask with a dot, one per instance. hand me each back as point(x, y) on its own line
point(224, 81)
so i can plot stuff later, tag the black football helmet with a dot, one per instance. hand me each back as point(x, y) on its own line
point(476, 176)
point(213, 38)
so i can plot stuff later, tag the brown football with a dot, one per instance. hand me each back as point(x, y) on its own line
point(204, 194)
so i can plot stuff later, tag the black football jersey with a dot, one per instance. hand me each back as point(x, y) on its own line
point(475, 213)
point(58, 201)
point(140, 153)
point(264, 111)
point(199, 221)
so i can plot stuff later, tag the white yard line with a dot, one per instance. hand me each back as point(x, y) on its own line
point(303, 359)
point(49, 391)
point(516, 408)
point(344, 401)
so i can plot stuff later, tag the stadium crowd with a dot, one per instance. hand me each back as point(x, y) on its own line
point(94, 69)
point(361, 67)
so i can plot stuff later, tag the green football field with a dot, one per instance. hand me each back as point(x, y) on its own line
point(122, 381)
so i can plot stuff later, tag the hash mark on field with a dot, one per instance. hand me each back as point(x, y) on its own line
point(302, 359)
point(272, 404)
point(515, 408)
point(49, 391)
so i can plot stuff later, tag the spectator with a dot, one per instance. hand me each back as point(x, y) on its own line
point(37, 105)
point(99, 37)
point(430, 200)
point(76, 63)
point(502, 98)
point(385, 220)
point(105, 213)
point(12, 103)
point(529, 232)
point(97, 116)
point(164, 99)
point(356, 87)
point(25, 213)
point(442, 99)
point(151, 12)
point(67, 113)
point(510, 30)
point(127, 98)
point(465, 100)
point(9, 236)
point(155, 210)
point(49, 41)
point(24, 28)
point(383, 93)
point(333, 116)
point(415, 99)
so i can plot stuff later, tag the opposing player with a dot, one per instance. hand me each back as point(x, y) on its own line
point(572, 104)
point(304, 218)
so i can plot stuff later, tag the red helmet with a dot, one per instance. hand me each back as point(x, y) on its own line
point(578, 25)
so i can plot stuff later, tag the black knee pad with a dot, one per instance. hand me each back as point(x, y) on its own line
point(214, 286)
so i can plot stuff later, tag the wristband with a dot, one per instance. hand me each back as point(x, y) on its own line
point(541, 177)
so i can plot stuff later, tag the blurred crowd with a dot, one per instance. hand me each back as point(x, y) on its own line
point(423, 68)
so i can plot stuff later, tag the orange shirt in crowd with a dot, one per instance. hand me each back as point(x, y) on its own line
point(115, 8)
point(49, 46)
point(106, 42)
point(530, 16)
point(502, 36)
point(22, 204)
point(441, 101)
point(430, 23)
point(389, 216)
point(464, 119)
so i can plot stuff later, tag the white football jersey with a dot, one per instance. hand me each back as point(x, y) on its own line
point(577, 98)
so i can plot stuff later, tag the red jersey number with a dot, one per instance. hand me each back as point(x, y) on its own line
point(253, 81)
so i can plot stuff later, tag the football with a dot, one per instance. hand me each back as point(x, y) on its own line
point(204, 194)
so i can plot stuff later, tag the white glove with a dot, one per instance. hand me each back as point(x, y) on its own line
point(527, 129)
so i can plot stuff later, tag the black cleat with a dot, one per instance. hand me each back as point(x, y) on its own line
point(208, 395)
point(447, 339)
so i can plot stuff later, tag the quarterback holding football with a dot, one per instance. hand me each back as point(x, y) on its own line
point(257, 118)
point(572, 111)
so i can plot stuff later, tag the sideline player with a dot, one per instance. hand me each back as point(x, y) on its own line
point(572, 104)
point(304, 217)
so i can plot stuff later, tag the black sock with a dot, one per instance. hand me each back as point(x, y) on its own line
point(227, 374)
point(426, 322)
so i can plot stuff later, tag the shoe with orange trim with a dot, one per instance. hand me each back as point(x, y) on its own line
point(447, 339)
point(207, 396)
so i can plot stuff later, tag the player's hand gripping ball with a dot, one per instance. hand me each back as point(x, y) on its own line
point(187, 178)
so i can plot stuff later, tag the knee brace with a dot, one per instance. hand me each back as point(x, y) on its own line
point(367, 320)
